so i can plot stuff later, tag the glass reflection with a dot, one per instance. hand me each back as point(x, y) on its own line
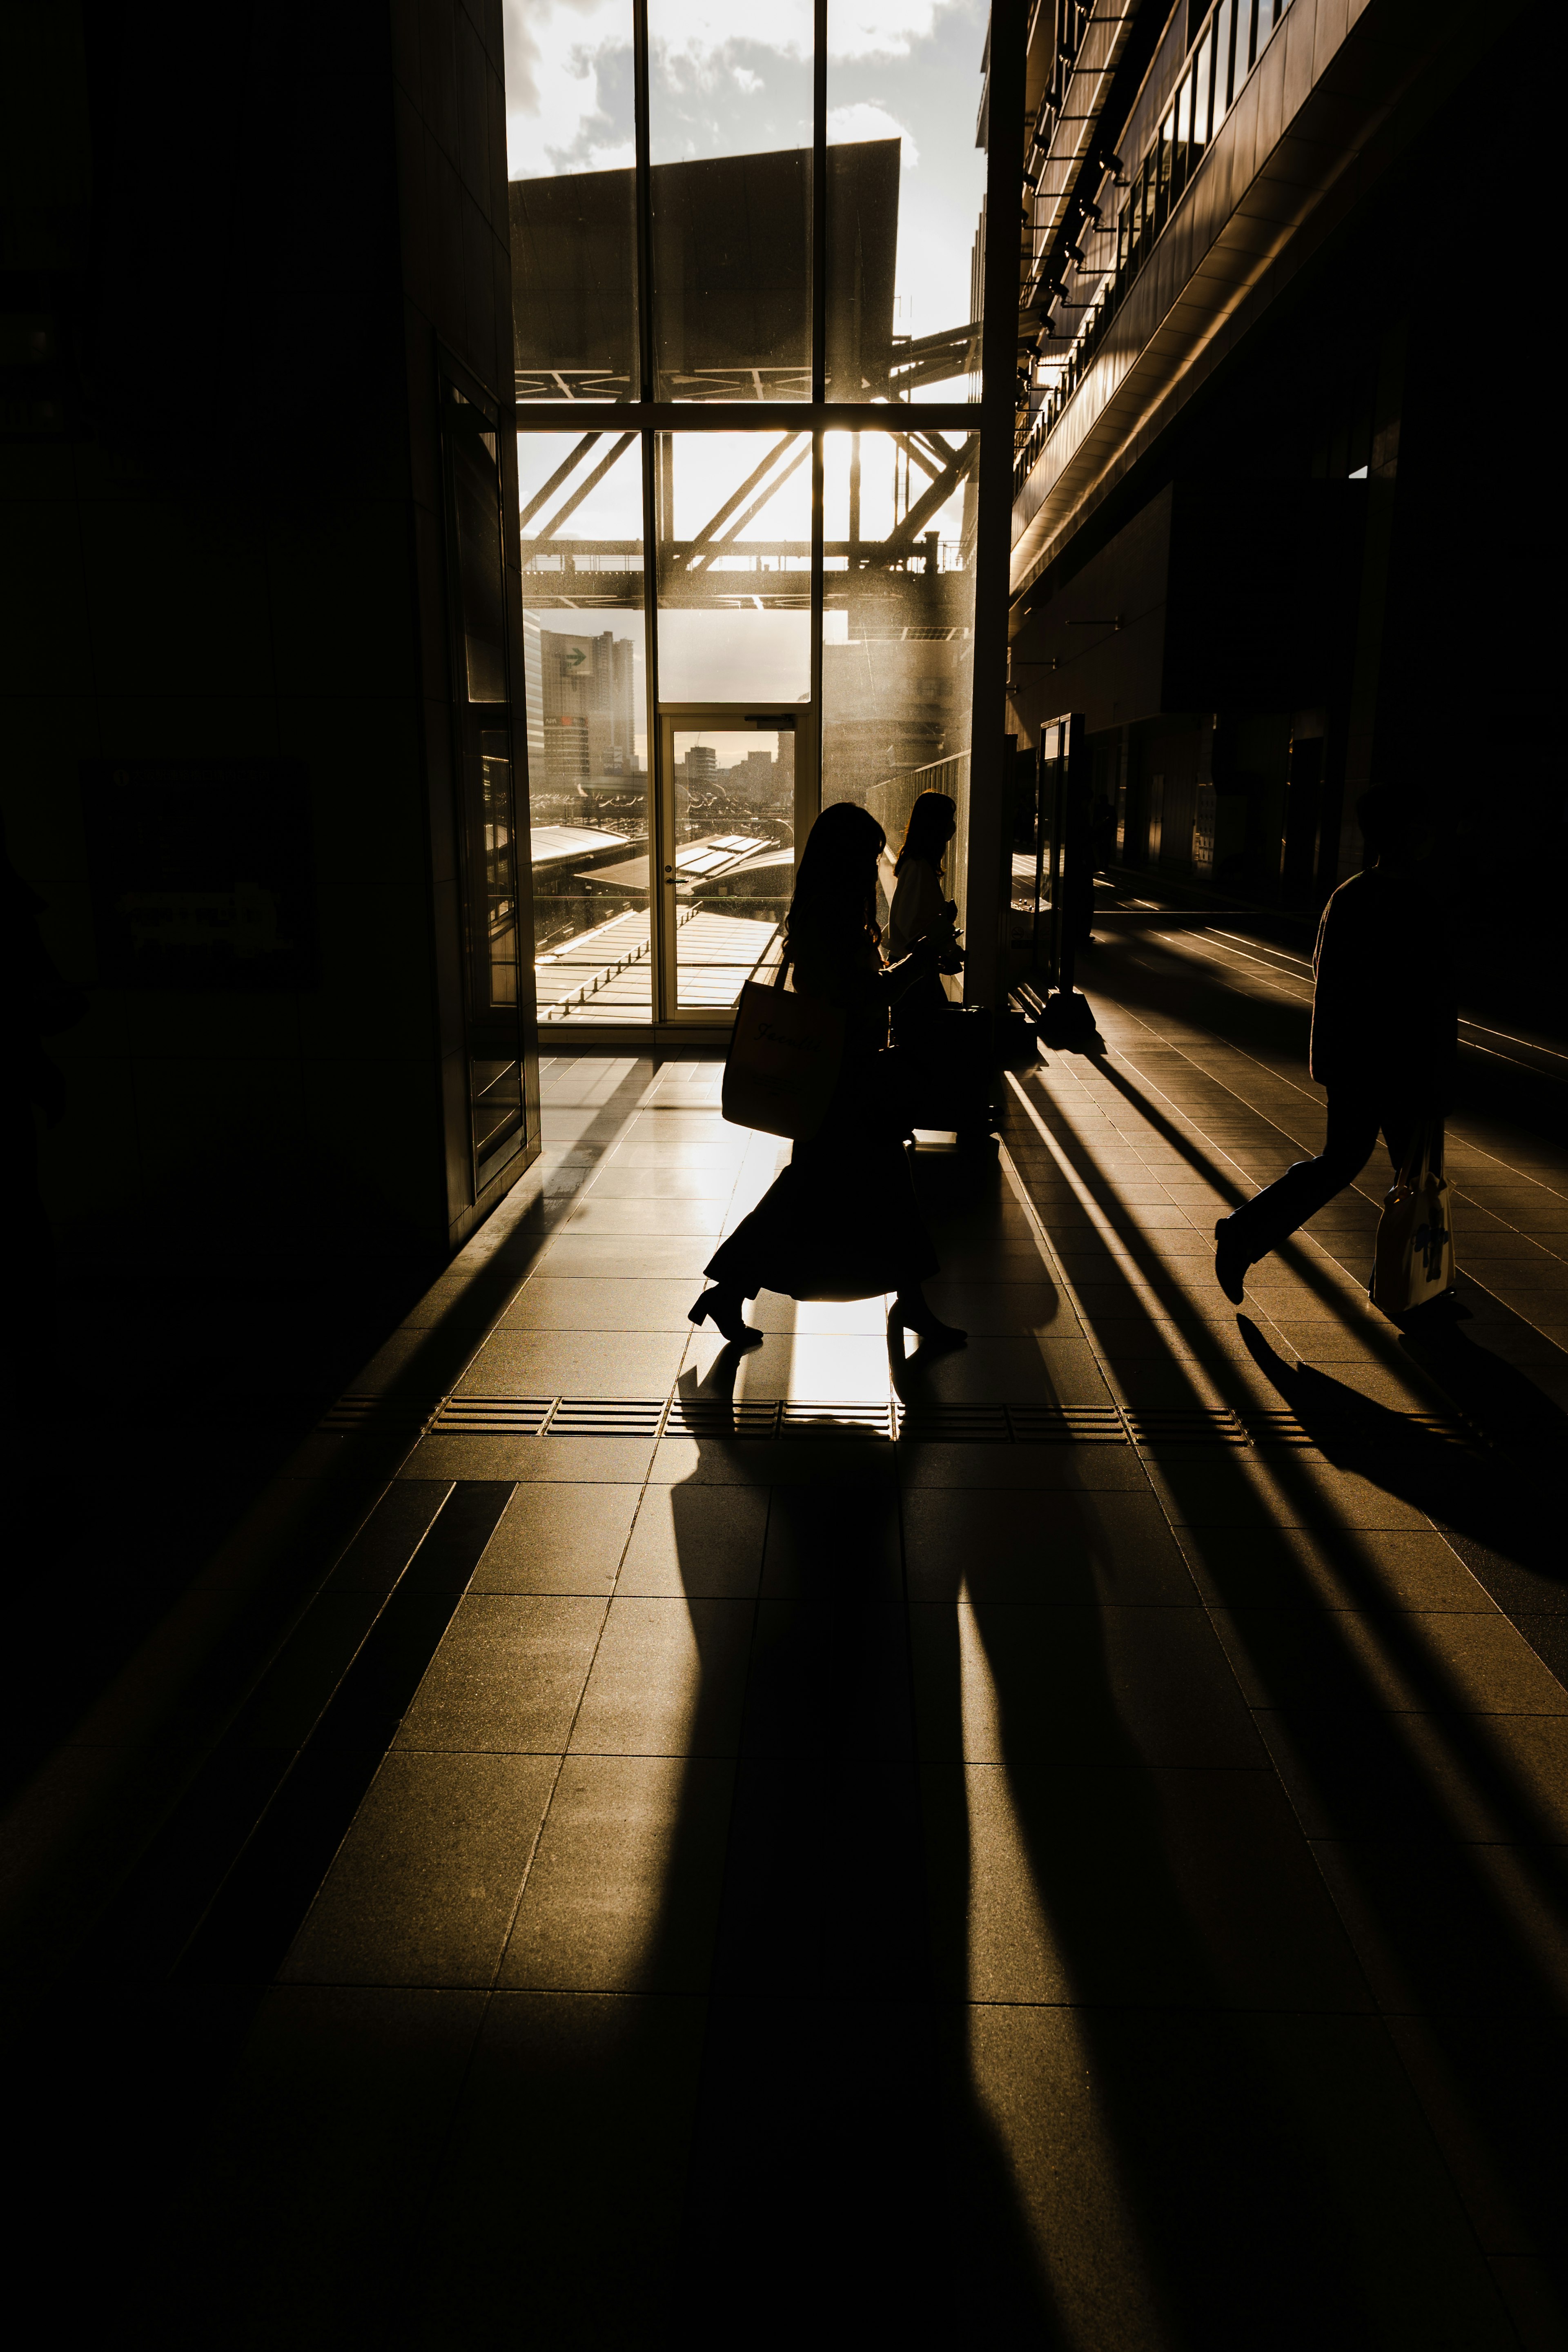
point(730, 138)
point(898, 517)
point(585, 696)
point(571, 149)
point(905, 199)
point(734, 567)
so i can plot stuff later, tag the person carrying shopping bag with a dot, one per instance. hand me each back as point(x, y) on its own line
point(842, 1220)
point(1384, 1036)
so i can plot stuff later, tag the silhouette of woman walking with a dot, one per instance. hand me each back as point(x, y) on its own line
point(920, 909)
point(842, 1220)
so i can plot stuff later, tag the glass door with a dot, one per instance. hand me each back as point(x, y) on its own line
point(736, 791)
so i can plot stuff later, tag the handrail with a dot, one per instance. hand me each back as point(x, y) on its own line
point(1216, 68)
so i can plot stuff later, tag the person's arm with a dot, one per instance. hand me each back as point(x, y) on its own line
point(858, 987)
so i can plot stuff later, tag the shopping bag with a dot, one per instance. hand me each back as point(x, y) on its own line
point(1414, 1260)
point(782, 1065)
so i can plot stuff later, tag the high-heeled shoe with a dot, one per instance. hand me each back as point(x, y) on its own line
point(925, 1323)
point(726, 1317)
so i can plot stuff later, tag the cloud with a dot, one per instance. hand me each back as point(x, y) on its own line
point(559, 55)
point(866, 121)
point(568, 67)
point(879, 29)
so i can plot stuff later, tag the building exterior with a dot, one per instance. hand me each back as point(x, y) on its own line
point(1243, 237)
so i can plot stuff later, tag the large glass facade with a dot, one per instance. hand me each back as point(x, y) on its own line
point(732, 617)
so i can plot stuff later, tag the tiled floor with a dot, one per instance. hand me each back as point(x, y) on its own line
point(1030, 1894)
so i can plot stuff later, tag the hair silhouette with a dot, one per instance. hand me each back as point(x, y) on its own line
point(929, 831)
point(835, 902)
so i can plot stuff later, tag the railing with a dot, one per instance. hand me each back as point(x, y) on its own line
point(1217, 65)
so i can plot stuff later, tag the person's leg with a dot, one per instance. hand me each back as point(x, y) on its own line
point(912, 1311)
point(1262, 1223)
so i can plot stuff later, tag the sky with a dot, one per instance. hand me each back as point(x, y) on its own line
point(897, 68)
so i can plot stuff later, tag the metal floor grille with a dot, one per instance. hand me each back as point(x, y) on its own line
point(774, 1421)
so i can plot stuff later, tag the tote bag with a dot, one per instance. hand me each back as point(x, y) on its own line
point(1414, 1260)
point(782, 1064)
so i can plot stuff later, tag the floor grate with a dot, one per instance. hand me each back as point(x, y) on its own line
point(1378, 1426)
point(1067, 1424)
point(1184, 1424)
point(604, 1417)
point(702, 1416)
point(858, 1417)
point(771, 1420)
point(493, 1416)
point(351, 1412)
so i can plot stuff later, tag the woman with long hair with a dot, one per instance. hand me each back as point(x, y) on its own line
point(921, 908)
point(842, 1220)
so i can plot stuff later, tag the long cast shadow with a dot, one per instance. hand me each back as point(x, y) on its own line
point(1456, 1952)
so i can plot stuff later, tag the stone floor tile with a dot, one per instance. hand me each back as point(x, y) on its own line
point(1002, 1684)
point(578, 1364)
point(600, 1303)
point(828, 1677)
point(1169, 2172)
point(836, 1540)
point(696, 1540)
point(509, 1674)
point(558, 1538)
point(571, 1461)
point(1125, 1886)
point(558, 2080)
point(1431, 1662)
point(1453, 1926)
point(316, 2171)
point(623, 1893)
point(1373, 1568)
point(425, 1884)
point(848, 1827)
point(668, 1680)
point(1052, 1548)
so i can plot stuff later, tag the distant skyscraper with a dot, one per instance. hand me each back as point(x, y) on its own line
point(582, 712)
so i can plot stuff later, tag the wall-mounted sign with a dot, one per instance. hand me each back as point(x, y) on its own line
point(201, 873)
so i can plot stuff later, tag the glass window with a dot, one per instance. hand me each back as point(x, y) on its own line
point(898, 624)
point(585, 695)
point(906, 184)
point(1164, 161)
point(734, 567)
point(570, 156)
point(732, 797)
point(1201, 84)
point(1246, 39)
point(730, 131)
point(1181, 143)
point(1224, 56)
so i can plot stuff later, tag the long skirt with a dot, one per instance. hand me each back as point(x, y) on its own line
point(842, 1220)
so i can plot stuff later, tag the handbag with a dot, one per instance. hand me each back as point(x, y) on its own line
point(783, 1061)
point(1415, 1259)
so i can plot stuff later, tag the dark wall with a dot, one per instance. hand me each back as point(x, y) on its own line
point(240, 232)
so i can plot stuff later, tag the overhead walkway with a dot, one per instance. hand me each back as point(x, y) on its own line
point(1065, 1852)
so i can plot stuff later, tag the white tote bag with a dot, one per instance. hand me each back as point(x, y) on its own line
point(1415, 1262)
